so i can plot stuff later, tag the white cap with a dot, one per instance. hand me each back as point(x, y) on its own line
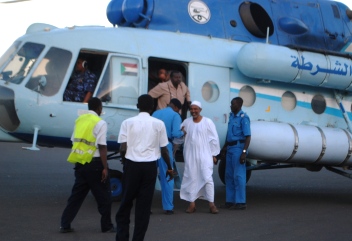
point(197, 103)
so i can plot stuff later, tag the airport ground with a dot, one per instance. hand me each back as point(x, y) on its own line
point(284, 204)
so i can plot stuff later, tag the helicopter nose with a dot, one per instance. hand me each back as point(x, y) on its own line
point(8, 119)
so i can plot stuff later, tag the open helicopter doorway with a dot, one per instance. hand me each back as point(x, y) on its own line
point(159, 71)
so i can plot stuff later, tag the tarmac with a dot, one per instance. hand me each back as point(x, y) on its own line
point(283, 204)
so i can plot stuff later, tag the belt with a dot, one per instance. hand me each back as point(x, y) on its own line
point(233, 143)
point(96, 159)
point(140, 161)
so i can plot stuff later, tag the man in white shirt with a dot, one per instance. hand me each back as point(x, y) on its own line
point(143, 140)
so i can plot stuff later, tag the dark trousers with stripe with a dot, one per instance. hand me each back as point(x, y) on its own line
point(138, 183)
point(88, 177)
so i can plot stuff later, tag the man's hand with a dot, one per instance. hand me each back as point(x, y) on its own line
point(104, 175)
point(123, 149)
point(243, 158)
point(184, 131)
point(215, 160)
point(122, 160)
point(223, 153)
point(175, 148)
point(170, 173)
point(103, 153)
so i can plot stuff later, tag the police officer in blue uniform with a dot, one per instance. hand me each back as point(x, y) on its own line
point(237, 141)
point(82, 84)
point(172, 121)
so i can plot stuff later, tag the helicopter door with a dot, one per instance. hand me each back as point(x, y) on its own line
point(120, 85)
point(211, 86)
point(119, 89)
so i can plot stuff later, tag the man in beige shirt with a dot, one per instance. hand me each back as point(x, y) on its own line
point(174, 88)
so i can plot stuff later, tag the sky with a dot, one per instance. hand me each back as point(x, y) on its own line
point(347, 3)
point(16, 17)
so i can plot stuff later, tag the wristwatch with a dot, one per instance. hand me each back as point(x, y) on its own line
point(244, 151)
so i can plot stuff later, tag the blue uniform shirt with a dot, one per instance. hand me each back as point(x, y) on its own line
point(80, 84)
point(238, 127)
point(172, 121)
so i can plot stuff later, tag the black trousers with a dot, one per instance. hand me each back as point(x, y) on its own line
point(88, 177)
point(138, 182)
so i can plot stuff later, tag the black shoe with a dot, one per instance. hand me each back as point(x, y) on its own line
point(111, 230)
point(239, 206)
point(66, 230)
point(227, 205)
point(169, 212)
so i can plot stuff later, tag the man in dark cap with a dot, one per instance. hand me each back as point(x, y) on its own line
point(172, 121)
point(143, 140)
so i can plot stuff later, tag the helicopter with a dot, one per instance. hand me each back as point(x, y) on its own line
point(290, 61)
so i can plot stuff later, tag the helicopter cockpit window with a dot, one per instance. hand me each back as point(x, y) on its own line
point(21, 63)
point(119, 84)
point(10, 52)
point(50, 73)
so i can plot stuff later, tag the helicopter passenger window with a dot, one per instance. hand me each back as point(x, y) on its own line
point(50, 73)
point(21, 63)
point(119, 84)
point(247, 93)
point(318, 104)
point(288, 100)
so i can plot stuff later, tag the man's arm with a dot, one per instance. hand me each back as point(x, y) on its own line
point(188, 97)
point(246, 142)
point(166, 157)
point(246, 129)
point(188, 94)
point(123, 149)
point(176, 131)
point(90, 81)
point(87, 97)
point(246, 145)
point(103, 156)
point(224, 148)
point(223, 151)
point(156, 92)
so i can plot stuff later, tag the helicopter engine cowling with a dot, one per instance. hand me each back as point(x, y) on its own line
point(130, 13)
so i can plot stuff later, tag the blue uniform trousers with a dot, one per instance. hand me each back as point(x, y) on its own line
point(235, 175)
point(167, 188)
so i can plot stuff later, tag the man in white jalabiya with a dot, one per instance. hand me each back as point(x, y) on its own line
point(201, 147)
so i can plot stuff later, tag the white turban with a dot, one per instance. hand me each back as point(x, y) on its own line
point(197, 103)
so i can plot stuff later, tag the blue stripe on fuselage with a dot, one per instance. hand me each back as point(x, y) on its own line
point(328, 110)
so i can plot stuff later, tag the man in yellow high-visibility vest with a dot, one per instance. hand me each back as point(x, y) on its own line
point(89, 154)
